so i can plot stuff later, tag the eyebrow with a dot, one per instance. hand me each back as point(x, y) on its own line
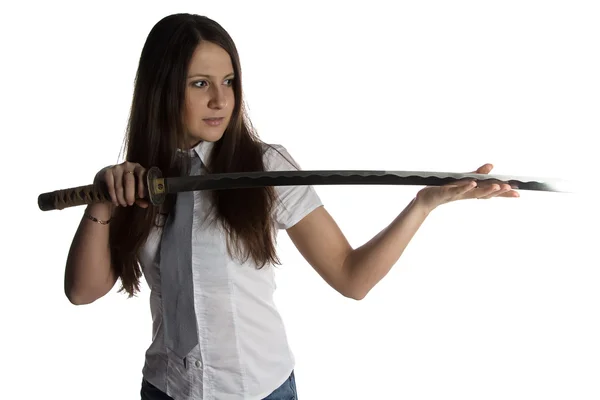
point(199, 75)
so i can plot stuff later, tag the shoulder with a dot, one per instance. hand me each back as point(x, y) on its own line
point(277, 158)
point(294, 202)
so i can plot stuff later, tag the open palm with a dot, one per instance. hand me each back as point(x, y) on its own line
point(434, 196)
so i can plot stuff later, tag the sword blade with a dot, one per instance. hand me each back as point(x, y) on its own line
point(244, 180)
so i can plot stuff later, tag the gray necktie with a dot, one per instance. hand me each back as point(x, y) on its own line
point(176, 273)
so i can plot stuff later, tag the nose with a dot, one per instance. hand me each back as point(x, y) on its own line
point(217, 100)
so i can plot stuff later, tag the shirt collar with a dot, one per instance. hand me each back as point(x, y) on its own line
point(201, 150)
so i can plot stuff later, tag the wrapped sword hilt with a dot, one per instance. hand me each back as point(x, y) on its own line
point(154, 189)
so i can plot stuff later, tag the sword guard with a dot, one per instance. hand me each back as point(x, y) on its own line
point(156, 187)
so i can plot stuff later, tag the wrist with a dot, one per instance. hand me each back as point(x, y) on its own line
point(422, 206)
point(101, 211)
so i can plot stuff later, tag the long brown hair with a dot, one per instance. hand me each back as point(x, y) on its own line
point(156, 131)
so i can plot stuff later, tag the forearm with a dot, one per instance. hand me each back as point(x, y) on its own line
point(88, 272)
point(368, 264)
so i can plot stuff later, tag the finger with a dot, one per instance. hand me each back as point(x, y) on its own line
point(499, 192)
point(511, 193)
point(488, 183)
point(129, 186)
point(109, 179)
point(140, 174)
point(119, 189)
point(461, 189)
point(491, 191)
point(504, 191)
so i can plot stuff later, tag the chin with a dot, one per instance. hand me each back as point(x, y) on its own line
point(206, 137)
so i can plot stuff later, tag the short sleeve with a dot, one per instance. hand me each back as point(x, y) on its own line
point(294, 202)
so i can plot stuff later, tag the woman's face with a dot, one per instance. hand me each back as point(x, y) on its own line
point(209, 97)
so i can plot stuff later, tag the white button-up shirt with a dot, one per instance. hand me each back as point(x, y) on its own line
point(243, 351)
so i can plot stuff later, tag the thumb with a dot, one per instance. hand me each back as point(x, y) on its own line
point(484, 169)
point(142, 203)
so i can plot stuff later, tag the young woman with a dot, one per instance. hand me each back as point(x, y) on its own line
point(216, 331)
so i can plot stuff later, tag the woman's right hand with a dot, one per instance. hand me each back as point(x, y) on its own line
point(125, 183)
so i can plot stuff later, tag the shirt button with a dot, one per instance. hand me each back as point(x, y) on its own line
point(198, 364)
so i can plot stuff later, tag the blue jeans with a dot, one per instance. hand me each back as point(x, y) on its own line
point(287, 391)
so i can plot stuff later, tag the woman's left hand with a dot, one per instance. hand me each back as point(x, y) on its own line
point(433, 196)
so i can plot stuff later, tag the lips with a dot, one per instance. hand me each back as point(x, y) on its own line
point(213, 121)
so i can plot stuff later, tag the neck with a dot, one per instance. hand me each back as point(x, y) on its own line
point(194, 144)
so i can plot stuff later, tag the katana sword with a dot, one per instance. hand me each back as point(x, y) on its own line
point(157, 187)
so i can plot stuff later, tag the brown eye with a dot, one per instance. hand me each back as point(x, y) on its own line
point(198, 84)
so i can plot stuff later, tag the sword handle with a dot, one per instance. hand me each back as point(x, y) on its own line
point(154, 188)
point(71, 197)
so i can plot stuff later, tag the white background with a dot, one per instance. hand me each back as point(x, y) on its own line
point(494, 299)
